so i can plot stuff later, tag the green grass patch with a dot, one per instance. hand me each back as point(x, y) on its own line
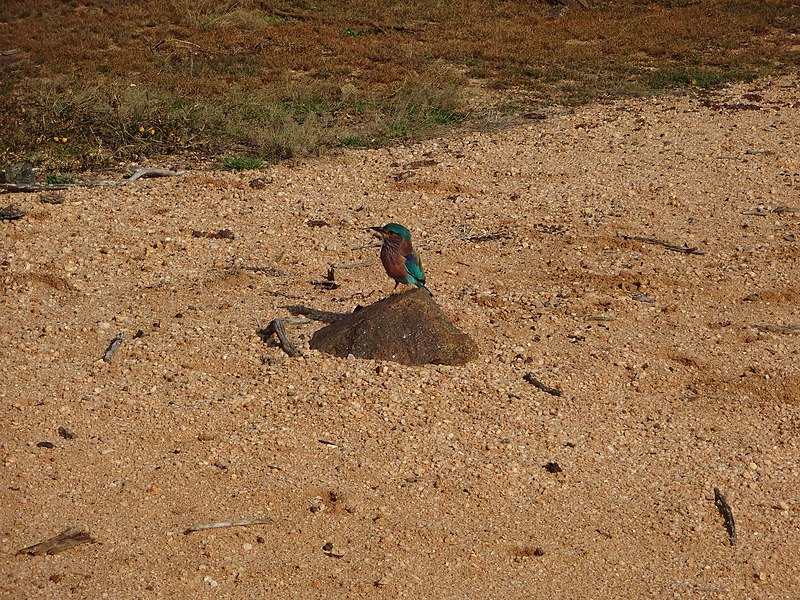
point(353, 141)
point(348, 32)
point(243, 163)
point(446, 116)
point(275, 19)
point(59, 179)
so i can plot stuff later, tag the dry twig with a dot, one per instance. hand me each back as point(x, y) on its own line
point(727, 514)
point(221, 524)
point(674, 247)
point(115, 343)
point(531, 378)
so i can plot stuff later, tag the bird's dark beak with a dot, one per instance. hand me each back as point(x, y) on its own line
point(379, 231)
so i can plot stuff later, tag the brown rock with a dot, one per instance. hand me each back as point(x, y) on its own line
point(408, 328)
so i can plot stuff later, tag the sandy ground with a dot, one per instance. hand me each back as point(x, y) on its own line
point(679, 372)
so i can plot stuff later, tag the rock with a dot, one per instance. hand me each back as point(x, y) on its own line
point(408, 328)
point(19, 173)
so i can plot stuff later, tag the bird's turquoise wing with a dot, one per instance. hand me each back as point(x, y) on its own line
point(414, 268)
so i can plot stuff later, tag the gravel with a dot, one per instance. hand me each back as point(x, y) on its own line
point(678, 372)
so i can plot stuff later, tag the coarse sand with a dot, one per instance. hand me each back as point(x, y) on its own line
point(678, 371)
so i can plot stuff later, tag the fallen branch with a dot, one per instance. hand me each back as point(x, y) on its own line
point(727, 514)
point(115, 343)
point(278, 327)
point(70, 537)
point(531, 378)
point(674, 247)
point(221, 524)
point(138, 174)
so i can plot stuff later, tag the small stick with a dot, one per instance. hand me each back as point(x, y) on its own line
point(531, 378)
point(727, 514)
point(70, 537)
point(757, 212)
point(139, 173)
point(115, 343)
point(221, 524)
point(674, 247)
point(786, 209)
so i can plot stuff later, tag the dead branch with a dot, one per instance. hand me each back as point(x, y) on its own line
point(115, 343)
point(674, 247)
point(531, 378)
point(221, 524)
point(727, 514)
point(138, 174)
point(70, 537)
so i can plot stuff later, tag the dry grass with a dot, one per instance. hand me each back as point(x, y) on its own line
point(239, 77)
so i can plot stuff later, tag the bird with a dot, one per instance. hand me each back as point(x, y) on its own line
point(401, 261)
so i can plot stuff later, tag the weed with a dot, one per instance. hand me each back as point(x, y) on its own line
point(59, 179)
point(356, 32)
point(243, 163)
point(353, 141)
point(444, 116)
point(274, 19)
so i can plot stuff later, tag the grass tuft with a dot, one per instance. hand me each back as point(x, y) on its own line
point(59, 179)
point(243, 163)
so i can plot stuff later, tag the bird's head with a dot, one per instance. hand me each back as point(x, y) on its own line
point(392, 230)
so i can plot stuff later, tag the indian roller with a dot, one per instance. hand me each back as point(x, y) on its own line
point(401, 261)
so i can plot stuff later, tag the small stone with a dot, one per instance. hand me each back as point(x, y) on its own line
point(45, 445)
point(67, 433)
point(20, 173)
point(553, 467)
